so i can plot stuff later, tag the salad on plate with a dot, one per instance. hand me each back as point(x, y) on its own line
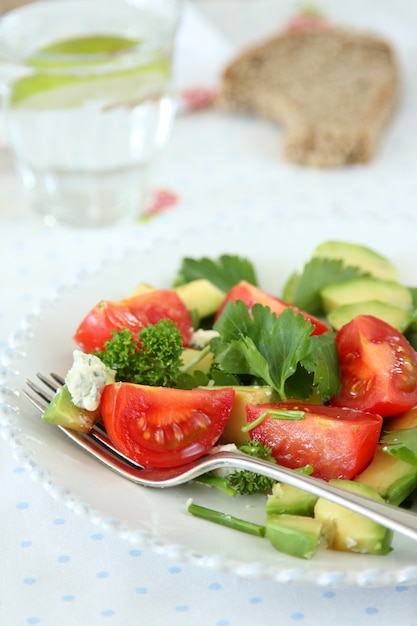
point(322, 380)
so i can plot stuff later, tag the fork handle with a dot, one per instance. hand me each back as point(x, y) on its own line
point(393, 517)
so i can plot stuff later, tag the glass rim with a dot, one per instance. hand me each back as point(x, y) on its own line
point(12, 50)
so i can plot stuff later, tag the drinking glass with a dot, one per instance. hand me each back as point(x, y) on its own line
point(87, 102)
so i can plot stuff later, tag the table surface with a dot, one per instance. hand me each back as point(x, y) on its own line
point(56, 566)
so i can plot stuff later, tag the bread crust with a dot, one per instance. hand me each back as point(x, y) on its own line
point(334, 91)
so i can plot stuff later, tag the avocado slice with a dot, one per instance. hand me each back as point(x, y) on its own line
point(357, 255)
point(63, 412)
point(396, 316)
point(347, 531)
point(142, 288)
point(189, 355)
point(294, 534)
point(363, 289)
point(291, 500)
point(233, 432)
point(201, 296)
point(403, 421)
point(392, 478)
point(198, 295)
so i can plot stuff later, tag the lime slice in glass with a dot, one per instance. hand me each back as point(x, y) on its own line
point(91, 49)
point(48, 88)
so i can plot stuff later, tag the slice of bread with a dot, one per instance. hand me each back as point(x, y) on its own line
point(332, 90)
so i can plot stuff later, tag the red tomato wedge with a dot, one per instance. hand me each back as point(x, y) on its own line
point(133, 314)
point(164, 427)
point(337, 442)
point(378, 367)
point(250, 295)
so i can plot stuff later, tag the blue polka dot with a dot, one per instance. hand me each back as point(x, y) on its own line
point(297, 616)
point(102, 574)
point(33, 620)
point(141, 590)
point(97, 537)
point(182, 608)
point(371, 610)
point(329, 594)
point(401, 588)
point(59, 520)
point(214, 586)
point(135, 552)
point(174, 570)
point(68, 598)
point(64, 558)
point(108, 613)
point(29, 581)
point(22, 505)
point(18, 470)
point(255, 600)
point(223, 622)
point(25, 544)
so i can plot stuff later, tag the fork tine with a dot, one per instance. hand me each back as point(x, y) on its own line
point(100, 436)
point(54, 386)
point(35, 401)
point(97, 435)
point(41, 392)
point(59, 379)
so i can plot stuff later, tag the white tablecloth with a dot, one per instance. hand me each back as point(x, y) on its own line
point(57, 568)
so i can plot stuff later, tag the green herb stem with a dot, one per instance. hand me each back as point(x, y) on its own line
point(226, 520)
point(219, 483)
point(276, 415)
point(202, 353)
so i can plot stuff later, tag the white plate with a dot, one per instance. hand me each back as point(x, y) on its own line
point(158, 519)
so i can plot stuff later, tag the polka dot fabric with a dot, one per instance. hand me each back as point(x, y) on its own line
point(59, 564)
point(57, 567)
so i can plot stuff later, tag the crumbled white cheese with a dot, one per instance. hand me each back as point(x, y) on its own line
point(225, 447)
point(350, 542)
point(200, 338)
point(86, 380)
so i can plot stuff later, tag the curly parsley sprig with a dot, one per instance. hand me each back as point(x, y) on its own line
point(152, 358)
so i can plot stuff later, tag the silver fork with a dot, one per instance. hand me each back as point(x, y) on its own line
point(97, 444)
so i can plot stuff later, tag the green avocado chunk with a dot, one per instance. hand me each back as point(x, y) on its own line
point(357, 255)
point(233, 432)
point(291, 500)
point(294, 534)
point(392, 478)
point(63, 412)
point(393, 315)
point(201, 296)
point(348, 531)
point(364, 289)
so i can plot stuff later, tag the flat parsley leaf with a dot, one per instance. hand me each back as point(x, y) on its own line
point(277, 351)
point(401, 444)
point(322, 362)
point(224, 273)
point(303, 290)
